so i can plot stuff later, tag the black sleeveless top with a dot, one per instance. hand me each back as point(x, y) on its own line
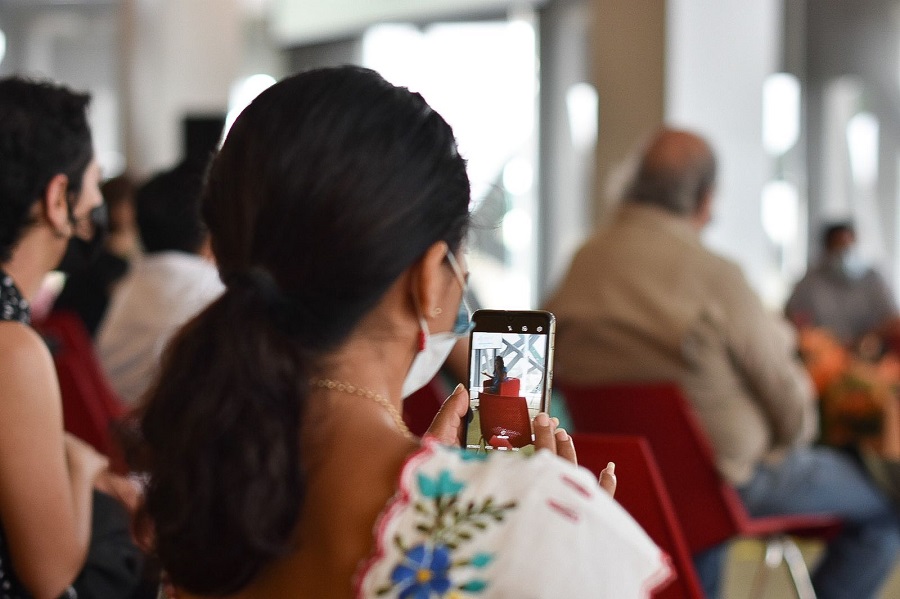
point(13, 306)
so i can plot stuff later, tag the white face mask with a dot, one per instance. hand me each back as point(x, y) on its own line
point(429, 360)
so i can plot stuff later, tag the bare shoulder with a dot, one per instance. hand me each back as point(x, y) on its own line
point(26, 366)
point(19, 342)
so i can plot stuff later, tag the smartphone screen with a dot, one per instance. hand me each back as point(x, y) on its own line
point(510, 376)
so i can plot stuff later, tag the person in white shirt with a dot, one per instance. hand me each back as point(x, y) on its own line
point(171, 283)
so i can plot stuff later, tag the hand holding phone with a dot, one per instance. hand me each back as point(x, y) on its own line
point(510, 377)
point(448, 426)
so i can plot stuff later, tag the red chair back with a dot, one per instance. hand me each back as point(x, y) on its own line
point(505, 417)
point(708, 508)
point(420, 408)
point(90, 406)
point(642, 493)
point(510, 387)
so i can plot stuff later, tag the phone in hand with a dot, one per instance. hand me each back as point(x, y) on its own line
point(510, 377)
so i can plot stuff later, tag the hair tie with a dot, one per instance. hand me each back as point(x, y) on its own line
point(257, 279)
point(282, 309)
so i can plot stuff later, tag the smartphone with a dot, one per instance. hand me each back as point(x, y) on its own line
point(510, 378)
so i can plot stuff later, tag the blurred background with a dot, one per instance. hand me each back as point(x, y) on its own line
point(800, 99)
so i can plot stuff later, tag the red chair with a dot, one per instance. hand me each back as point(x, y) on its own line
point(90, 406)
point(420, 408)
point(504, 419)
point(507, 387)
point(642, 493)
point(708, 508)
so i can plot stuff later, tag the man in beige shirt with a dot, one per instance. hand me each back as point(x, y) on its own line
point(645, 300)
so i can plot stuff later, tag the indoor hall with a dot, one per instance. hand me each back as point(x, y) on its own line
point(551, 103)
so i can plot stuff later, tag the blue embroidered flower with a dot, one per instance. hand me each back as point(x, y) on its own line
point(441, 486)
point(423, 571)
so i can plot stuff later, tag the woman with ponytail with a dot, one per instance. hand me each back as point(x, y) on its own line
point(279, 463)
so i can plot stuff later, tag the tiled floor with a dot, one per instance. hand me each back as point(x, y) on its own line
point(745, 556)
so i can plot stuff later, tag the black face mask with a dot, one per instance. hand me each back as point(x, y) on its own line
point(82, 253)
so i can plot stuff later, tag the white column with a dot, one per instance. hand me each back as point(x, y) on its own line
point(181, 57)
point(719, 52)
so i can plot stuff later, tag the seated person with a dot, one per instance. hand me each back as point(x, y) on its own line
point(281, 401)
point(842, 294)
point(172, 282)
point(499, 376)
point(93, 272)
point(645, 300)
point(52, 483)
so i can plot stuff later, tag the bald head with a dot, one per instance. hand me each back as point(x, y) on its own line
point(677, 172)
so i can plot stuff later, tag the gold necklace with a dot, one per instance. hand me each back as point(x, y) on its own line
point(367, 393)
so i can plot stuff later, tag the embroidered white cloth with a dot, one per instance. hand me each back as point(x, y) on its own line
point(468, 525)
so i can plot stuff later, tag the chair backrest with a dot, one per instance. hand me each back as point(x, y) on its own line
point(510, 387)
point(420, 408)
point(90, 406)
point(708, 508)
point(643, 494)
point(504, 416)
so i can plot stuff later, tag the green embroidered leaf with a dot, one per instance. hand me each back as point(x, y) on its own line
point(465, 535)
point(384, 590)
point(474, 586)
point(479, 525)
point(480, 560)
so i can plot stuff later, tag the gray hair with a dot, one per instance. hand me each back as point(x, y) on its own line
point(676, 172)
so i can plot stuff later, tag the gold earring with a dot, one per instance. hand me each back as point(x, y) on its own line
point(437, 312)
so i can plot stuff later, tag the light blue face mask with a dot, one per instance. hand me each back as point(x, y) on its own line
point(853, 264)
point(437, 347)
point(849, 264)
point(463, 324)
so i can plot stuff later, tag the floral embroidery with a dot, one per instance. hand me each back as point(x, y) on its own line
point(447, 524)
point(472, 456)
point(423, 570)
point(442, 485)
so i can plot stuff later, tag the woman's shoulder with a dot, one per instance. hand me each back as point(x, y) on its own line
point(20, 344)
point(504, 524)
point(26, 366)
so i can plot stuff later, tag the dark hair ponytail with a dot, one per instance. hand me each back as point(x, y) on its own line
point(328, 187)
point(226, 480)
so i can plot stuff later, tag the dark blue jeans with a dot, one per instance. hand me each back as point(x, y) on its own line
point(823, 480)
